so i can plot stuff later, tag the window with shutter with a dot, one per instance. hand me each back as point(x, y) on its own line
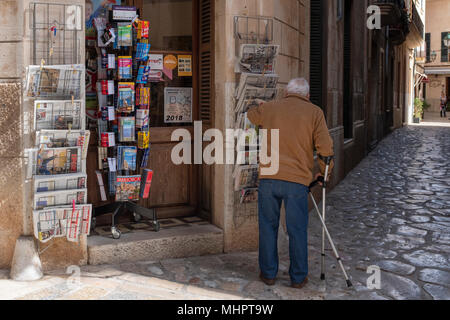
point(428, 48)
point(444, 48)
point(206, 65)
point(316, 52)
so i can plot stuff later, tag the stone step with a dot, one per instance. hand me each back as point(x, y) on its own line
point(180, 242)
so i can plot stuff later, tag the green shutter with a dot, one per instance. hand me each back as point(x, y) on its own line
point(428, 48)
point(444, 48)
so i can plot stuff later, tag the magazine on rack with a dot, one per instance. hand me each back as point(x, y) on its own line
point(128, 188)
point(127, 129)
point(245, 177)
point(69, 181)
point(64, 138)
point(125, 101)
point(59, 81)
point(146, 182)
point(59, 198)
point(63, 221)
point(257, 58)
point(101, 185)
point(126, 157)
point(125, 67)
point(58, 114)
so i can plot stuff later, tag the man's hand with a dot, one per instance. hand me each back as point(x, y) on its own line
point(259, 101)
point(317, 177)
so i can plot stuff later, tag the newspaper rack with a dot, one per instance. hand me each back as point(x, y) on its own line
point(64, 221)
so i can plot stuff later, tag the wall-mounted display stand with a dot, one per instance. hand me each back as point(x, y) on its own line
point(257, 82)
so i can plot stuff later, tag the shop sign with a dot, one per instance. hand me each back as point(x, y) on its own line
point(124, 13)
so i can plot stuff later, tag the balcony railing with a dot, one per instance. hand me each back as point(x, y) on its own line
point(417, 21)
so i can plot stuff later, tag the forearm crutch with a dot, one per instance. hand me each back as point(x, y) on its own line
point(323, 180)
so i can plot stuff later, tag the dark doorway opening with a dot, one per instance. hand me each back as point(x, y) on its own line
point(348, 112)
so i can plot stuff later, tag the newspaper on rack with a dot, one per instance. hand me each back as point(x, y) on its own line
point(257, 58)
point(58, 81)
point(64, 221)
point(58, 114)
point(45, 161)
point(59, 198)
point(64, 138)
point(250, 96)
point(245, 177)
point(269, 81)
point(60, 182)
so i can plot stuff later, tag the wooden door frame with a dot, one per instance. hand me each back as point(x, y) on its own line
point(163, 134)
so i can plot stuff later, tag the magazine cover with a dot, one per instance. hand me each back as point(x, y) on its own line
point(128, 188)
point(60, 182)
point(127, 129)
point(126, 97)
point(124, 34)
point(125, 67)
point(126, 157)
point(142, 118)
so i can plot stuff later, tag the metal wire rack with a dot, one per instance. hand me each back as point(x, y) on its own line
point(256, 30)
point(69, 222)
point(56, 31)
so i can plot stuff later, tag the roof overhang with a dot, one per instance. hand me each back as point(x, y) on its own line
point(441, 70)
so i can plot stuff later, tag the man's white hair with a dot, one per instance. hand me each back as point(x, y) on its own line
point(298, 86)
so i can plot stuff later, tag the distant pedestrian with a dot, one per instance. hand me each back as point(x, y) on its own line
point(443, 105)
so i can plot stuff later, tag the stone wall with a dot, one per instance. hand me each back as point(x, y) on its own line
point(11, 153)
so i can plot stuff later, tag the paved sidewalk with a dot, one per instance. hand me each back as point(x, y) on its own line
point(392, 211)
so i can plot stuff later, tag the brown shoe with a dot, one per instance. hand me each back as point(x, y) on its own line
point(300, 285)
point(269, 282)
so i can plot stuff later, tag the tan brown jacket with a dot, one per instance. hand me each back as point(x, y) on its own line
point(302, 130)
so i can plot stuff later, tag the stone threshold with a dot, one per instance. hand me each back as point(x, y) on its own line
point(180, 242)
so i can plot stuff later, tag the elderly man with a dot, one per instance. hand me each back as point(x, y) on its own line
point(302, 130)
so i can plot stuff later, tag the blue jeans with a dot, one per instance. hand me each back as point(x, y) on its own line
point(295, 196)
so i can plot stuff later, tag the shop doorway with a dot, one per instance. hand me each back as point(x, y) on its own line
point(177, 29)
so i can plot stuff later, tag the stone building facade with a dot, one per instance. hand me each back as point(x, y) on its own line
point(437, 62)
point(325, 41)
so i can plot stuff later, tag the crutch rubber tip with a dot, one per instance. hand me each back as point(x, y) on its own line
point(349, 284)
point(322, 277)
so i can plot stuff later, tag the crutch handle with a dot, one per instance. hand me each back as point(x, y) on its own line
point(327, 159)
point(316, 182)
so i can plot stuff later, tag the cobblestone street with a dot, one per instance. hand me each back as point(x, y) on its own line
point(391, 211)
